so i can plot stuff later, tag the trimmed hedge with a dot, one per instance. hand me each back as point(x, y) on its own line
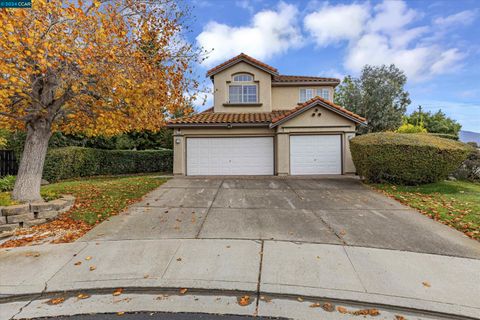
point(74, 162)
point(445, 135)
point(405, 158)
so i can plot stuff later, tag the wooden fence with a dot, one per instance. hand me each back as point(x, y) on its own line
point(8, 163)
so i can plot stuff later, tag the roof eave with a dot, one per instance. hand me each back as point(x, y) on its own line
point(214, 72)
point(217, 125)
point(305, 83)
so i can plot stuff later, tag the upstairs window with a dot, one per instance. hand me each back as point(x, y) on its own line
point(243, 78)
point(309, 93)
point(242, 89)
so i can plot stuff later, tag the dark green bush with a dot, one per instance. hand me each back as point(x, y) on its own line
point(445, 135)
point(406, 158)
point(470, 168)
point(73, 162)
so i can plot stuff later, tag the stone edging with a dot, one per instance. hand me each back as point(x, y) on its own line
point(31, 214)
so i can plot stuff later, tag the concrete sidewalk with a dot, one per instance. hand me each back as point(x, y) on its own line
point(378, 277)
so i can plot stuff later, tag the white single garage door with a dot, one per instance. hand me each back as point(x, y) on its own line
point(230, 156)
point(315, 154)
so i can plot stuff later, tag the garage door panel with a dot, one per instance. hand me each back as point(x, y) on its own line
point(315, 154)
point(230, 156)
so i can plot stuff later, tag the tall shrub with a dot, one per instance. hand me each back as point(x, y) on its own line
point(406, 158)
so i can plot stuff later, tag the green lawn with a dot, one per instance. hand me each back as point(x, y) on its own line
point(96, 199)
point(454, 203)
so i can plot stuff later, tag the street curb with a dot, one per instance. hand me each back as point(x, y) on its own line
point(461, 313)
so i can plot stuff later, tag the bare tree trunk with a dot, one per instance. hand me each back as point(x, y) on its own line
point(29, 177)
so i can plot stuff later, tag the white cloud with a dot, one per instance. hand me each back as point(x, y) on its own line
point(405, 37)
point(245, 4)
point(332, 24)
point(383, 35)
point(461, 18)
point(447, 60)
point(391, 16)
point(270, 32)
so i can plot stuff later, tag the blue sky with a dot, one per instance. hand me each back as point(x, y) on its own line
point(436, 43)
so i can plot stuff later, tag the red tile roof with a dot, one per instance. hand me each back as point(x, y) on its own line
point(226, 118)
point(284, 78)
point(209, 110)
point(309, 103)
point(241, 57)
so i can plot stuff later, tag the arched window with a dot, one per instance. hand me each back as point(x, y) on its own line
point(242, 89)
point(243, 77)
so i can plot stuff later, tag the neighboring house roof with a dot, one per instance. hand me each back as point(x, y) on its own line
point(273, 119)
point(284, 79)
point(212, 118)
point(312, 103)
point(245, 58)
point(209, 110)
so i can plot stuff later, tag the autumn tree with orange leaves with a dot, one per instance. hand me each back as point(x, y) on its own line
point(97, 68)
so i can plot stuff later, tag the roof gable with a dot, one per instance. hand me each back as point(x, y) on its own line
point(242, 57)
point(317, 101)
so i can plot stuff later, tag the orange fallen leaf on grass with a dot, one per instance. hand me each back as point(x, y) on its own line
point(118, 292)
point(183, 290)
point(83, 296)
point(55, 301)
point(243, 301)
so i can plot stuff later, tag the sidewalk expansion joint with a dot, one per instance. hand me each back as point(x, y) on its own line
point(208, 210)
point(260, 266)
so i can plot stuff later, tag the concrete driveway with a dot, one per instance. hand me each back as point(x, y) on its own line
point(338, 210)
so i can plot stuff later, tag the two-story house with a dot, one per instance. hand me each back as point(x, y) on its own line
point(265, 123)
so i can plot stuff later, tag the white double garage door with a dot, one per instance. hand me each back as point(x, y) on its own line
point(309, 154)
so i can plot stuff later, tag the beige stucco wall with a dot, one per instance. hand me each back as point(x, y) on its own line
point(220, 85)
point(319, 117)
point(289, 97)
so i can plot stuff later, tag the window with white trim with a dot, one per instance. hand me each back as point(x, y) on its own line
point(243, 78)
point(242, 89)
point(309, 93)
